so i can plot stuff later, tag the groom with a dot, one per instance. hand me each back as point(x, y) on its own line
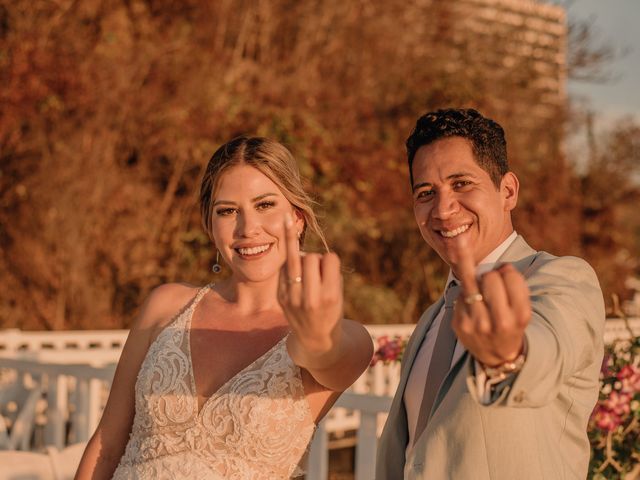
point(501, 374)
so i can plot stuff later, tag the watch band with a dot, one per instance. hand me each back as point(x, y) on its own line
point(500, 372)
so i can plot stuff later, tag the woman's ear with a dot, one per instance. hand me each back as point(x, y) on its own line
point(509, 188)
point(299, 220)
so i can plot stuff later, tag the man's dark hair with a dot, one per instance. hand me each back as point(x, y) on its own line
point(486, 136)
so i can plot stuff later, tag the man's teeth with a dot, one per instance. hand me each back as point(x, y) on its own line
point(253, 250)
point(454, 233)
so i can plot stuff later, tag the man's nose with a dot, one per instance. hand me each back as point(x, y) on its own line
point(445, 205)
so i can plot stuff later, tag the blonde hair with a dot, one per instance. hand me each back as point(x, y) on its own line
point(274, 161)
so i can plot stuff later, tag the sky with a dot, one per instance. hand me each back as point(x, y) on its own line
point(615, 22)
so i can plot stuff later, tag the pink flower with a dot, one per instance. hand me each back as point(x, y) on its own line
point(629, 377)
point(618, 403)
point(389, 349)
point(606, 419)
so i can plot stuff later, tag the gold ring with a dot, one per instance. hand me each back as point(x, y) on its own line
point(474, 297)
point(291, 281)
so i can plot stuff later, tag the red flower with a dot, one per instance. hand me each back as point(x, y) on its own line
point(629, 377)
point(618, 403)
point(389, 349)
point(606, 419)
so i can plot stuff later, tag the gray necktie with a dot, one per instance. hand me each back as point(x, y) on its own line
point(440, 359)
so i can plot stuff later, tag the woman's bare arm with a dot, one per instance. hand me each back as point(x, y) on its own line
point(106, 446)
point(333, 350)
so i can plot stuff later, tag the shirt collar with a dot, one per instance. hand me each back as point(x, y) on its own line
point(488, 262)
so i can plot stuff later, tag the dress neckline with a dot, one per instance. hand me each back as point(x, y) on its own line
point(220, 390)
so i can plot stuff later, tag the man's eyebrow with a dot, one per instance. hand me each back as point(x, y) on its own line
point(460, 175)
point(421, 185)
point(255, 199)
point(453, 176)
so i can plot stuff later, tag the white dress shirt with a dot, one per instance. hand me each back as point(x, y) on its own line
point(418, 376)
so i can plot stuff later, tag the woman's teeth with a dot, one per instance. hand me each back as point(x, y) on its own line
point(252, 250)
point(454, 233)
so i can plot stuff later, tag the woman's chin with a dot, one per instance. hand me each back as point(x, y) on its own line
point(256, 275)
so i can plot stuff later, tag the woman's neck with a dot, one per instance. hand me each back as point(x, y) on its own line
point(250, 297)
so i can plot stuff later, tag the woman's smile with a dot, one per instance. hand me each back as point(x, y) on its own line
point(253, 251)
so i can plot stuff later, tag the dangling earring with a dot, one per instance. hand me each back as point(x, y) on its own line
point(216, 268)
point(300, 241)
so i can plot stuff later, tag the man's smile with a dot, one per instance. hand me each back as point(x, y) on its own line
point(454, 232)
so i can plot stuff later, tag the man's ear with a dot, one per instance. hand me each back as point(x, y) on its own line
point(509, 188)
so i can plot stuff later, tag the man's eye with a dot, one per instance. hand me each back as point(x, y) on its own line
point(461, 184)
point(265, 205)
point(222, 212)
point(424, 194)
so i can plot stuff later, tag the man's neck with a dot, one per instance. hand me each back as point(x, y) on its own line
point(488, 262)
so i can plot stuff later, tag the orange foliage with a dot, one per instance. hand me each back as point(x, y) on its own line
point(111, 109)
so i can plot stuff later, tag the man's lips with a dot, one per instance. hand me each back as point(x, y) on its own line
point(453, 232)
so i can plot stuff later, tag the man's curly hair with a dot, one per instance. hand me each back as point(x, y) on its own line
point(486, 137)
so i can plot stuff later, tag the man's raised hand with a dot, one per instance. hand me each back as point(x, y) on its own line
point(490, 317)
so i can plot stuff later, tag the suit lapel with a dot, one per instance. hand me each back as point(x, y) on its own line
point(521, 255)
point(396, 431)
point(448, 380)
point(419, 333)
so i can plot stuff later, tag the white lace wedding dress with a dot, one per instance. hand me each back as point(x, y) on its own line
point(256, 426)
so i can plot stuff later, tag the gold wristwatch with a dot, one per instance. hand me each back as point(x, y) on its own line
point(502, 371)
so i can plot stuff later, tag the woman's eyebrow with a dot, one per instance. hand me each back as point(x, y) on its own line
point(264, 195)
point(223, 202)
point(255, 199)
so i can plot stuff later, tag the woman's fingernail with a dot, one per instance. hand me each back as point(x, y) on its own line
point(288, 221)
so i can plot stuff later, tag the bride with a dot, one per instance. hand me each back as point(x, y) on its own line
point(228, 381)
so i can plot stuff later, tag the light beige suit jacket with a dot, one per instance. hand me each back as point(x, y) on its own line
point(535, 427)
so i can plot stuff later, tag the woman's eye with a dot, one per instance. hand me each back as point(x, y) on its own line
point(224, 211)
point(265, 205)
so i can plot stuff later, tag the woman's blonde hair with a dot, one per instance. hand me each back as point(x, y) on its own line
point(274, 161)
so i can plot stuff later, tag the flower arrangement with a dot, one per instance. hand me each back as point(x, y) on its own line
point(389, 349)
point(614, 428)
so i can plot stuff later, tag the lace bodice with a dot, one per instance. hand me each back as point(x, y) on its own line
point(256, 426)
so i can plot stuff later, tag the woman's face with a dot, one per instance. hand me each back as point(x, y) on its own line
point(248, 223)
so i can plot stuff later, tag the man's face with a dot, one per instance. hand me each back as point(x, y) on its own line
point(454, 197)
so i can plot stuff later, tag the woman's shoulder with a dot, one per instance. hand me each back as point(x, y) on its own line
point(164, 302)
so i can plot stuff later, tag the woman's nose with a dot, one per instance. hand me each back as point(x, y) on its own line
point(248, 225)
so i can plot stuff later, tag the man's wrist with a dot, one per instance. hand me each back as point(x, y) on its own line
point(505, 369)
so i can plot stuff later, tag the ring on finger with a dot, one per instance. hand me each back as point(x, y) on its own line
point(293, 280)
point(473, 298)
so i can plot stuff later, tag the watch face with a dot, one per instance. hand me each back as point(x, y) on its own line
point(506, 368)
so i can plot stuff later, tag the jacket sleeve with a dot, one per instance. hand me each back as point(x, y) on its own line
point(564, 337)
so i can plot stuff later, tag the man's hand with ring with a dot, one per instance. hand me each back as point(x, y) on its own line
point(492, 315)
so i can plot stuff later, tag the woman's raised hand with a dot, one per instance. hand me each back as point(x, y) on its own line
point(311, 295)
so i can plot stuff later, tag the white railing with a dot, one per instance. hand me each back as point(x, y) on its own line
point(371, 410)
point(58, 381)
point(74, 396)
